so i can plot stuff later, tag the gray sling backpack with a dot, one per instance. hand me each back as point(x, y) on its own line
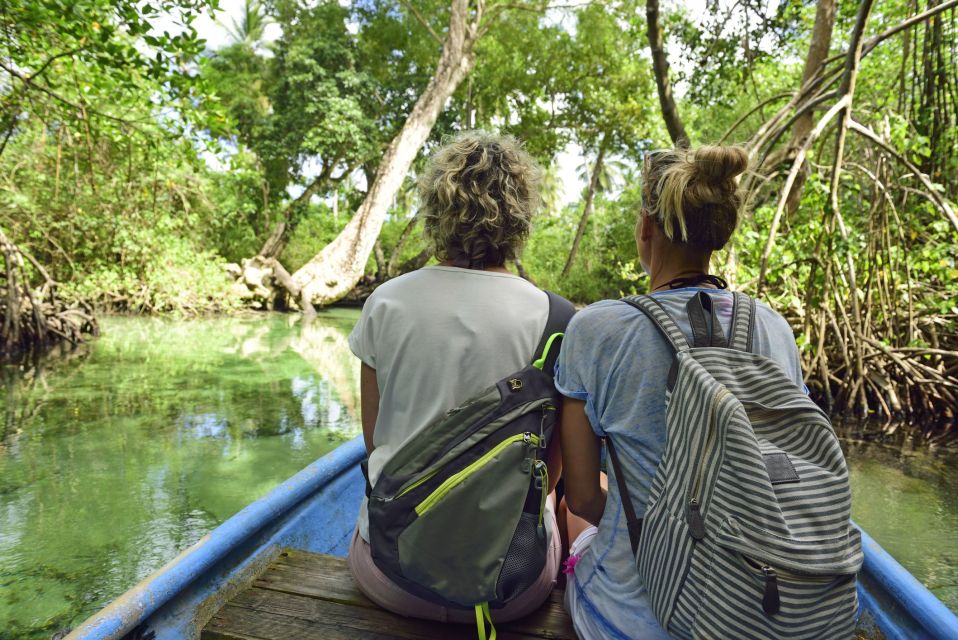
point(456, 515)
point(746, 534)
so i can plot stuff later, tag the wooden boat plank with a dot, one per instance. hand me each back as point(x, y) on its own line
point(272, 615)
point(313, 575)
point(305, 595)
point(325, 576)
point(239, 623)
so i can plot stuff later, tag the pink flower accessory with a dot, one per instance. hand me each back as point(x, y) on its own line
point(568, 567)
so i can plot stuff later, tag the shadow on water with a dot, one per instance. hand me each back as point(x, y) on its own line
point(905, 495)
point(115, 458)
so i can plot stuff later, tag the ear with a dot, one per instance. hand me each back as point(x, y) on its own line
point(645, 228)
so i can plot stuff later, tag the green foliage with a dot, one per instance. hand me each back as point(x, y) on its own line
point(316, 229)
point(607, 266)
point(311, 108)
point(123, 226)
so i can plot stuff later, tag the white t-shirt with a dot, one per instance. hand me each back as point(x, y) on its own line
point(436, 337)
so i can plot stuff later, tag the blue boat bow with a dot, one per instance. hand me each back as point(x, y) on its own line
point(316, 509)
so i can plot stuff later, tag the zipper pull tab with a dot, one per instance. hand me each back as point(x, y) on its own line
point(770, 600)
point(695, 520)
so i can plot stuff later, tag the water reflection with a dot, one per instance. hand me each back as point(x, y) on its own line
point(115, 460)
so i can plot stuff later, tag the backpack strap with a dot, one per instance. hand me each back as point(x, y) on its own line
point(743, 322)
point(547, 351)
point(661, 318)
point(704, 332)
point(633, 521)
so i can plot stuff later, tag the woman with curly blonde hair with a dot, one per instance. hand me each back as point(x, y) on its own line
point(431, 339)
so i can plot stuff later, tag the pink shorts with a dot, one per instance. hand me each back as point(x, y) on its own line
point(388, 595)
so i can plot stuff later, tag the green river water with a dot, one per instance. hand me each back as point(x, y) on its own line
point(115, 458)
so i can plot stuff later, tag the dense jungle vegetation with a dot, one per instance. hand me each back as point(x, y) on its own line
point(142, 171)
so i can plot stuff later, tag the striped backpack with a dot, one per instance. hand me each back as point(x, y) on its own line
point(746, 534)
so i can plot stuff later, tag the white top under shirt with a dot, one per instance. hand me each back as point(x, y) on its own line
point(436, 337)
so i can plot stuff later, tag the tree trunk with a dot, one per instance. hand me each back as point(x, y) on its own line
point(660, 64)
point(817, 53)
point(586, 210)
point(338, 267)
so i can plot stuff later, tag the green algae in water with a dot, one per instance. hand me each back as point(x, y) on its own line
point(113, 461)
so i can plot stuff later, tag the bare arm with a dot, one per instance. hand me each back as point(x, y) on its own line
point(369, 404)
point(554, 456)
point(585, 495)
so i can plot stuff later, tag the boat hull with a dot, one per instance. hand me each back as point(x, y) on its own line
point(316, 511)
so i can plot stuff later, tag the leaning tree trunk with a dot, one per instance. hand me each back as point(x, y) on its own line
point(339, 266)
point(586, 210)
point(817, 52)
point(660, 65)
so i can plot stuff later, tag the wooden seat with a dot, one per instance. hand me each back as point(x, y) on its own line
point(306, 595)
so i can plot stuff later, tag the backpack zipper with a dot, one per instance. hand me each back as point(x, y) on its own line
point(457, 478)
point(771, 602)
point(415, 484)
point(420, 481)
point(793, 576)
point(694, 517)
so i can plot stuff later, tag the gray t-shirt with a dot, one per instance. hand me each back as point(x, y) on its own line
point(614, 358)
point(436, 337)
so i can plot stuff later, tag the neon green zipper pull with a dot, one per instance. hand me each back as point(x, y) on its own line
point(542, 485)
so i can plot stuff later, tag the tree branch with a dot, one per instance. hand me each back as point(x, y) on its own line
point(931, 192)
point(660, 65)
point(421, 19)
point(28, 80)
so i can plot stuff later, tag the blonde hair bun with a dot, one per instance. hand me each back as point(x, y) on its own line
point(719, 165)
point(693, 193)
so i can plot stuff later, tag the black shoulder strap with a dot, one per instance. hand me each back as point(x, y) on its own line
point(547, 351)
point(633, 521)
point(706, 332)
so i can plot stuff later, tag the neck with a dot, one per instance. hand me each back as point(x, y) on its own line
point(499, 268)
point(661, 278)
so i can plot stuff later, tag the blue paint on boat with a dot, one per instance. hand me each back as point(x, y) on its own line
point(316, 510)
point(901, 606)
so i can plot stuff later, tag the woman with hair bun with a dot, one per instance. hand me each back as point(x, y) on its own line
point(431, 339)
point(613, 370)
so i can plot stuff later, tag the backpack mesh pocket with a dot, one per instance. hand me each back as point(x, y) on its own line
point(524, 561)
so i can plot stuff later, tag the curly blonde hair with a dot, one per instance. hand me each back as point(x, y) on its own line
point(694, 193)
point(478, 195)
